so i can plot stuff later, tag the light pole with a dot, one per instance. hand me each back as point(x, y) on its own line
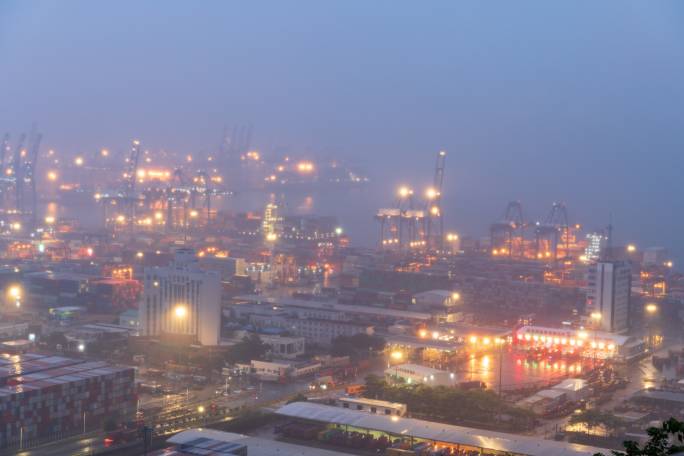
point(145, 430)
point(180, 312)
point(501, 343)
point(596, 317)
point(140, 255)
point(201, 409)
point(397, 356)
point(452, 238)
point(473, 340)
point(650, 308)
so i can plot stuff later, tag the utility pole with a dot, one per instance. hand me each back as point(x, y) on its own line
point(145, 430)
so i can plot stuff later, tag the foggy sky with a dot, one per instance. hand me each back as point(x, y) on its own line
point(575, 102)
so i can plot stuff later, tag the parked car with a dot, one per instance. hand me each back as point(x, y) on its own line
point(237, 391)
point(250, 388)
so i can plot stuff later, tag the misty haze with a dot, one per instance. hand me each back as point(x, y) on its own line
point(443, 228)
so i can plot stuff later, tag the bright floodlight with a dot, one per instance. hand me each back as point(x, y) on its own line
point(14, 291)
point(473, 339)
point(180, 311)
point(596, 315)
point(651, 308)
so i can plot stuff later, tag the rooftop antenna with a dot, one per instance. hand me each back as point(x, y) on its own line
point(608, 255)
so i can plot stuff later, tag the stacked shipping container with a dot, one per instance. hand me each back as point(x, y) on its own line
point(515, 296)
point(384, 280)
point(44, 395)
point(115, 295)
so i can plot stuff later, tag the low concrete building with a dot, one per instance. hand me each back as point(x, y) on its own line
point(414, 373)
point(575, 389)
point(558, 396)
point(281, 347)
point(372, 406)
point(129, 319)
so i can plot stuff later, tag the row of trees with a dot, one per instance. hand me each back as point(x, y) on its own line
point(448, 403)
point(593, 418)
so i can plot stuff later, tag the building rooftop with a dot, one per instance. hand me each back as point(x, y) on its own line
point(334, 306)
point(130, 313)
point(256, 447)
point(555, 394)
point(363, 400)
point(416, 369)
point(425, 342)
point(410, 427)
point(571, 384)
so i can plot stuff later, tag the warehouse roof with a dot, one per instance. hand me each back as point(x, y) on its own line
point(425, 342)
point(130, 313)
point(652, 393)
point(334, 306)
point(416, 369)
point(409, 427)
point(468, 331)
point(571, 384)
point(363, 400)
point(255, 446)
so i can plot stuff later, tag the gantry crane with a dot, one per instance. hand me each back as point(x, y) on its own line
point(556, 223)
point(433, 205)
point(512, 221)
point(124, 194)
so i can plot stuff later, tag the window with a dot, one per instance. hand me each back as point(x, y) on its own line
point(388, 412)
point(374, 410)
point(345, 404)
point(360, 407)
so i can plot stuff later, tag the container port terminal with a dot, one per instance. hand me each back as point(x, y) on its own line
point(169, 273)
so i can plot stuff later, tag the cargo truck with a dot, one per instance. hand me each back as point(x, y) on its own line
point(322, 382)
point(125, 432)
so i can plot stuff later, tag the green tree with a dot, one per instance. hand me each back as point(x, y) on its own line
point(658, 443)
point(340, 348)
point(590, 418)
point(249, 348)
point(299, 397)
point(108, 424)
point(55, 338)
point(373, 387)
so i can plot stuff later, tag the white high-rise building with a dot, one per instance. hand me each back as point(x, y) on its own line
point(594, 246)
point(183, 285)
point(609, 287)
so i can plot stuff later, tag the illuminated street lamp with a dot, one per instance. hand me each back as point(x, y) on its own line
point(180, 312)
point(79, 161)
point(452, 238)
point(397, 356)
point(201, 409)
point(501, 343)
point(16, 294)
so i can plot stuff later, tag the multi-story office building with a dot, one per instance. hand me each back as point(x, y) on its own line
point(182, 302)
point(655, 256)
point(274, 213)
point(320, 330)
point(609, 285)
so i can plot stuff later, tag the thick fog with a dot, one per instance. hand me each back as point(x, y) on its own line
point(543, 102)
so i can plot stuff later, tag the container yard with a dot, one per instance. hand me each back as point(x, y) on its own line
point(41, 395)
